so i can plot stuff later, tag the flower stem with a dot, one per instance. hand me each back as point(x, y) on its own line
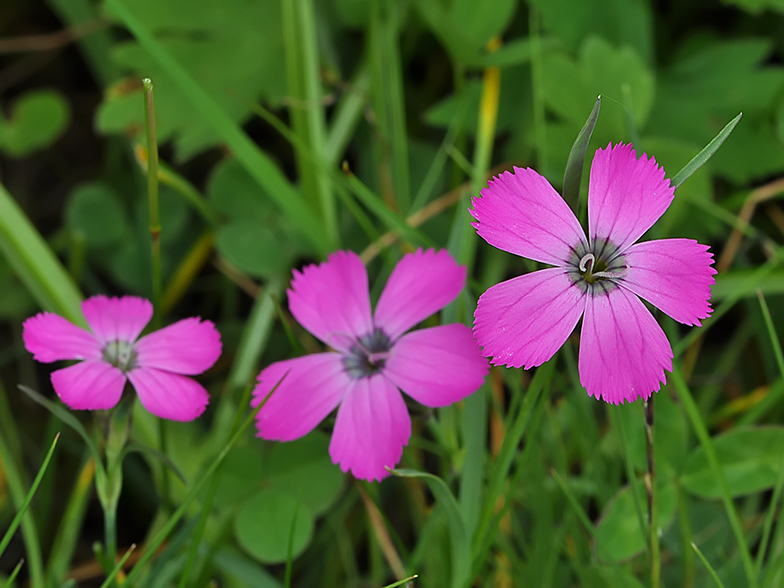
point(650, 488)
point(152, 189)
point(155, 235)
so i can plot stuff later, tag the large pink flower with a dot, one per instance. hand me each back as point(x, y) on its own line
point(524, 321)
point(157, 364)
point(374, 357)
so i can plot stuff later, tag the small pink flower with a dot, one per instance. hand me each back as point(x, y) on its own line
point(374, 358)
point(525, 320)
point(113, 353)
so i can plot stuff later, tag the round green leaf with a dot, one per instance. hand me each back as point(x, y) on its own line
point(38, 118)
point(293, 467)
point(253, 248)
point(235, 193)
point(751, 459)
point(95, 211)
point(269, 521)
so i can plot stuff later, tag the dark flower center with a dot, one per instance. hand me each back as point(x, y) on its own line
point(368, 355)
point(120, 354)
point(598, 267)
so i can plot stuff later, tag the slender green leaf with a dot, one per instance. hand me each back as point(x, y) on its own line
point(33, 261)
point(119, 566)
point(14, 574)
point(718, 474)
point(703, 156)
point(709, 567)
point(574, 165)
point(67, 418)
point(28, 498)
point(461, 551)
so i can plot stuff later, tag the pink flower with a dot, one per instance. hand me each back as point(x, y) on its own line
point(374, 357)
point(113, 353)
point(525, 320)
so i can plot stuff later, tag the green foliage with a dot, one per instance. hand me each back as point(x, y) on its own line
point(529, 481)
point(37, 120)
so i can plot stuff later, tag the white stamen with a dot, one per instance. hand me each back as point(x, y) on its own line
point(584, 262)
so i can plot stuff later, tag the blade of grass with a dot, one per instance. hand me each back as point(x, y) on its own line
point(503, 462)
point(388, 102)
point(348, 113)
point(171, 523)
point(116, 570)
point(709, 567)
point(573, 175)
point(255, 335)
point(22, 501)
point(618, 425)
point(14, 574)
point(67, 418)
point(774, 501)
point(306, 109)
point(702, 434)
point(258, 165)
point(70, 526)
point(33, 261)
point(703, 156)
point(401, 582)
point(461, 548)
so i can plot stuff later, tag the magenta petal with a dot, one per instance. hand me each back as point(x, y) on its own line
point(525, 320)
point(623, 350)
point(331, 299)
point(626, 195)
point(50, 337)
point(169, 396)
point(312, 388)
point(675, 275)
point(190, 346)
point(371, 429)
point(89, 385)
point(421, 284)
point(523, 214)
point(437, 366)
point(117, 319)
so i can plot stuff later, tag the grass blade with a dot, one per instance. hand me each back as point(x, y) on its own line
point(29, 497)
point(709, 567)
point(702, 434)
point(699, 160)
point(573, 176)
point(36, 265)
point(461, 549)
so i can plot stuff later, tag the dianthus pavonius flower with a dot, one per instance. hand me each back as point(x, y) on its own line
point(601, 277)
point(373, 358)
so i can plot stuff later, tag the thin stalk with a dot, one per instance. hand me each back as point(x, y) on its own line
point(110, 534)
point(650, 489)
point(155, 236)
point(155, 209)
point(22, 501)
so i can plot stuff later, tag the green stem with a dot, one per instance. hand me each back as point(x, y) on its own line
point(155, 236)
point(152, 188)
point(650, 488)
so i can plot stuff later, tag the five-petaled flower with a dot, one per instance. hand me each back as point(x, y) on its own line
point(112, 353)
point(373, 358)
point(525, 320)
